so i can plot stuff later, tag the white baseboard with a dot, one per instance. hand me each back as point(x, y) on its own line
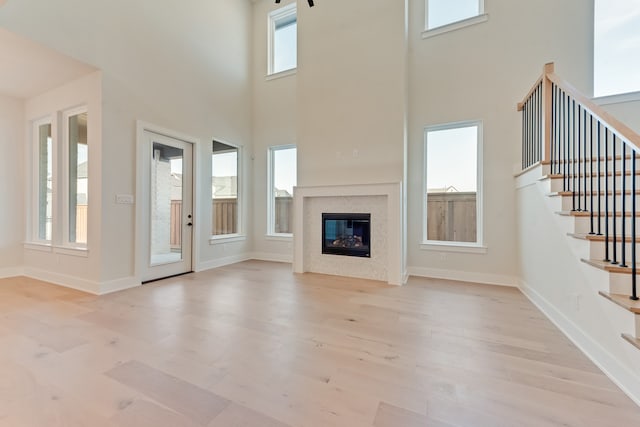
point(221, 262)
point(464, 276)
point(11, 272)
point(627, 380)
point(116, 285)
point(267, 256)
point(64, 280)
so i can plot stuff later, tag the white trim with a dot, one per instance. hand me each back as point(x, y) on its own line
point(68, 250)
point(619, 98)
point(464, 276)
point(479, 180)
point(117, 285)
point(272, 19)
point(63, 280)
point(426, 34)
point(227, 238)
point(458, 247)
point(281, 74)
point(34, 175)
point(36, 246)
point(628, 381)
point(272, 257)
point(221, 262)
point(11, 272)
point(281, 237)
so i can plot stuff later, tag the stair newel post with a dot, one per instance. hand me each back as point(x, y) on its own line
point(613, 200)
point(623, 237)
point(591, 170)
point(599, 181)
point(634, 293)
point(606, 194)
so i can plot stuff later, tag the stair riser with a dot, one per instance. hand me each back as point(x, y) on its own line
point(582, 225)
point(597, 251)
point(637, 334)
point(621, 283)
point(567, 202)
point(558, 185)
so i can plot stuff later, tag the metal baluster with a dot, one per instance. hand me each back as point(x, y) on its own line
point(634, 293)
point(553, 127)
point(599, 181)
point(573, 153)
point(606, 194)
point(591, 170)
point(613, 199)
point(577, 140)
point(623, 237)
point(584, 155)
point(565, 120)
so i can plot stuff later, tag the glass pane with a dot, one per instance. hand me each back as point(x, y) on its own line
point(284, 179)
point(45, 177)
point(224, 189)
point(78, 178)
point(285, 46)
point(616, 44)
point(443, 12)
point(452, 165)
point(166, 204)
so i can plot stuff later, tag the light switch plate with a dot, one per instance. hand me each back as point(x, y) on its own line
point(124, 199)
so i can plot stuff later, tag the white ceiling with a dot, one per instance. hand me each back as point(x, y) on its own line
point(28, 68)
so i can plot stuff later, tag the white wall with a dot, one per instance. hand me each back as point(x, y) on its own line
point(480, 73)
point(11, 170)
point(274, 123)
point(627, 112)
point(185, 69)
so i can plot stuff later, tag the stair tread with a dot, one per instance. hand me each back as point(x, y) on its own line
point(588, 175)
point(600, 238)
point(623, 301)
point(588, 193)
point(588, 213)
point(607, 266)
point(632, 340)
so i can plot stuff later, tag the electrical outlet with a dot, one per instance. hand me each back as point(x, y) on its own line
point(124, 199)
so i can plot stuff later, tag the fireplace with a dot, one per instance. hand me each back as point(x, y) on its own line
point(346, 234)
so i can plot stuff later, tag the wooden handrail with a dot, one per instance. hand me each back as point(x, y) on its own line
point(533, 88)
point(615, 125)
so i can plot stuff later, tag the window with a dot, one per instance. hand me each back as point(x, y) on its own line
point(44, 177)
point(283, 39)
point(224, 189)
point(444, 12)
point(616, 44)
point(452, 193)
point(282, 179)
point(78, 178)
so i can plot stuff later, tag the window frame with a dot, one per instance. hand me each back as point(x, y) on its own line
point(454, 25)
point(34, 229)
point(238, 235)
point(65, 181)
point(272, 21)
point(453, 246)
point(270, 194)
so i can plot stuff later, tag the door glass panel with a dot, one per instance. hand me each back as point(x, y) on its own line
point(166, 204)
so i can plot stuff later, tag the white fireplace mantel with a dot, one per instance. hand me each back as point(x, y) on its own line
point(389, 259)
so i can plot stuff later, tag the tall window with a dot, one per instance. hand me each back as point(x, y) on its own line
point(616, 46)
point(224, 189)
point(78, 174)
point(444, 12)
point(44, 190)
point(452, 183)
point(283, 39)
point(282, 179)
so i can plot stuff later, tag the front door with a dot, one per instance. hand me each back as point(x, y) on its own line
point(168, 207)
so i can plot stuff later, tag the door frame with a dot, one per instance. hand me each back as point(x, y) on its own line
point(143, 149)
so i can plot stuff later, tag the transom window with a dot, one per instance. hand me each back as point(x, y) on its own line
point(283, 39)
point(444, 12)
point(616, 45)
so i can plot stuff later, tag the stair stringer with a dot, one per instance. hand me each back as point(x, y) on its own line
point(563, 287)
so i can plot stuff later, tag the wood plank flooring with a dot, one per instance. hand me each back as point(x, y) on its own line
point(254, 345)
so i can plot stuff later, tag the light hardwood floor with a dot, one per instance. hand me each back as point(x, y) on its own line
point(254, 345)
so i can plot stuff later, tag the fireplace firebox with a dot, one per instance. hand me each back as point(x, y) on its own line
point(346, 234)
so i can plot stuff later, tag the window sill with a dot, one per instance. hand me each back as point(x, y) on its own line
point(619, 98)
point(455, 26)
point(281, 74)
point(281, 237)
point(64, 250)
point(466, 248)
point(227, 238)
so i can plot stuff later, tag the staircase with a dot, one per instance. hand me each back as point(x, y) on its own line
point(590, 166)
